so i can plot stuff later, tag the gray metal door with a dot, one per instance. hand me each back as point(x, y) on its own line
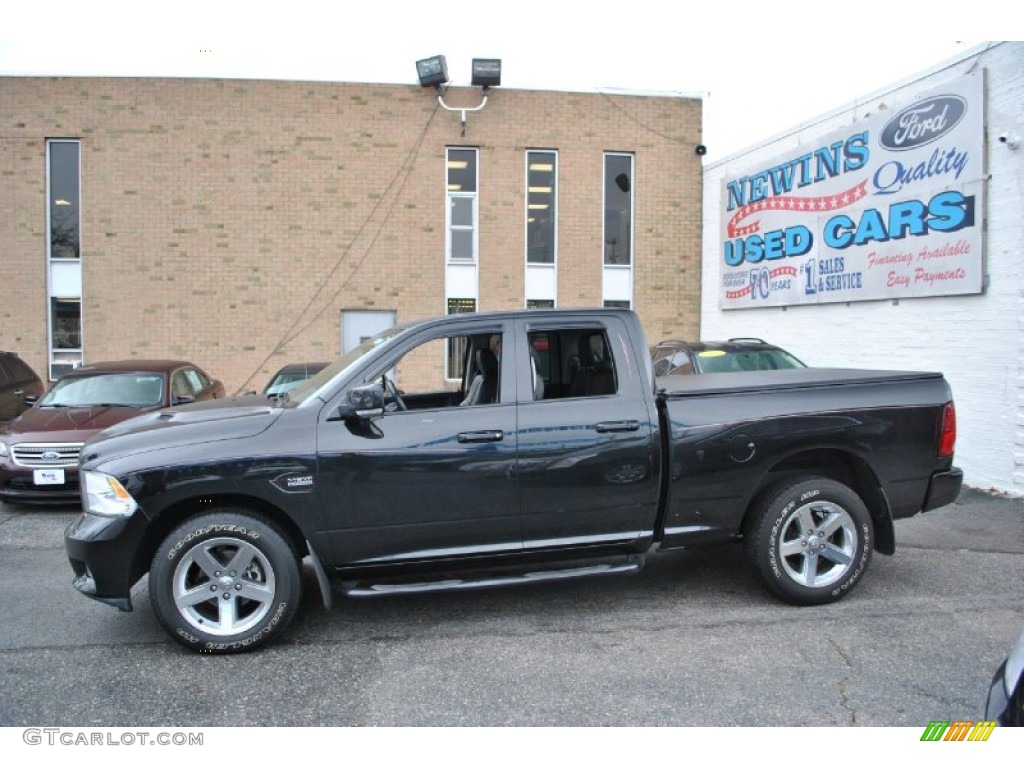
point(358, 325)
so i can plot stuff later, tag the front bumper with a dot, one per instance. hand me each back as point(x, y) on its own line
point(1005, 707)
point(1005, 702)
point(102, 551)
point(998, 702)
point(17, 485)
point(943, 488)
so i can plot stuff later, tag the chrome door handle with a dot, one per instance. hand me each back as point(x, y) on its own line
point(483, 436)
point(617, 426)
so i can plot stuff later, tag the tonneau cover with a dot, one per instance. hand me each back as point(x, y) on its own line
point(672, 387)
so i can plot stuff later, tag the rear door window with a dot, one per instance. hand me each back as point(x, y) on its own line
point(573, 362)
point(180, 385)
point(195, 380)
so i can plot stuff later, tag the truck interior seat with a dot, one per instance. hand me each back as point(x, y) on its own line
point(484, 387)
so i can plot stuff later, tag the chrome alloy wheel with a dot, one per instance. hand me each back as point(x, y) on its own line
point(223, 586)
point(817, 543)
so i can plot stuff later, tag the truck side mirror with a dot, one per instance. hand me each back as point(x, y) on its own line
point(365, 402)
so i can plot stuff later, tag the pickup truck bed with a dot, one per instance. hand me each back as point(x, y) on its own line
point(875, 431)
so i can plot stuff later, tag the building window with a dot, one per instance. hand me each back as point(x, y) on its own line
point(456, 353)
point(64, 194)
point(64, 254)
point(541, 207)
point(462, 205)
point(540, 304)
point(66, 324)
point(618, 210)
point(616, 304)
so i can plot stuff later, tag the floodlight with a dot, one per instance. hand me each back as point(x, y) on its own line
point(433, 72)
point(486, 72)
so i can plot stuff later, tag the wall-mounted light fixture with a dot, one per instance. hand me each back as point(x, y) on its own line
point(1010, 139)
point(433, 73)
point(486, 72)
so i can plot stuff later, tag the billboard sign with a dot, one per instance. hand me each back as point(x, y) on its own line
point(889, 207)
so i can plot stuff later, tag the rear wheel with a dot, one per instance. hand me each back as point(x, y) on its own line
point(810, 540)
point(224, 582)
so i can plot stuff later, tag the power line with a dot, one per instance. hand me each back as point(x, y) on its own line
point(635, 119)
point(404, 172)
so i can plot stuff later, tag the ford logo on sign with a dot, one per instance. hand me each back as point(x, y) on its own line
point(923, 122)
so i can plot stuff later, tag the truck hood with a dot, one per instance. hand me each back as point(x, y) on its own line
point(206, 422)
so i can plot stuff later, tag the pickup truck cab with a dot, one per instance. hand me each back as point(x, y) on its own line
point(498, 448)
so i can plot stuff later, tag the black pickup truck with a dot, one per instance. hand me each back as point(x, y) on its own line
point(499, 448)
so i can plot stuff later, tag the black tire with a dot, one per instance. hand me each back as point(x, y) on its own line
point(225, 581)
point(810, 540)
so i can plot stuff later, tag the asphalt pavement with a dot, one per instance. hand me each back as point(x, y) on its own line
point(692, 640)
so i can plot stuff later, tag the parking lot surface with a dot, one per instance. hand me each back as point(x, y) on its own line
point(692, 640)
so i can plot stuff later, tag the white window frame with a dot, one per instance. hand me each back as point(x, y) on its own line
point(474, 198)
point(70, 273)
point(554, 214)
point(632, 206)
point(540, 278)
point(617, 280)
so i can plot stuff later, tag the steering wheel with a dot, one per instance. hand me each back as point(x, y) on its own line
point(391, 391)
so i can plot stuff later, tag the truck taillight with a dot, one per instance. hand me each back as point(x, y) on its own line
point(947, 431)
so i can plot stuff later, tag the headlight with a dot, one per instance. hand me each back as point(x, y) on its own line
point(104, 495)
point(3, 450)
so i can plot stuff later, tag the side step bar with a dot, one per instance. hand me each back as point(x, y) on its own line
point(630, 564)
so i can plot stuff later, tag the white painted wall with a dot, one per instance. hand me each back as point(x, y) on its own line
point(976, 341)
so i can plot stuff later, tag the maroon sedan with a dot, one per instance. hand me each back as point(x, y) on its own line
point(39, 449)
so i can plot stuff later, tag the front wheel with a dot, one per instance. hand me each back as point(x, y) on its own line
point(810, 540)
point(225, 582)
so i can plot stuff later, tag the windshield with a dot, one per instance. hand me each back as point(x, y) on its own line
point(135, 390)
point(667, 362)
point(285, 382)
point(723, 361)
point(304, 390)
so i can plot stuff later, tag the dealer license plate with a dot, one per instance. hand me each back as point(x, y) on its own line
point(48, 477)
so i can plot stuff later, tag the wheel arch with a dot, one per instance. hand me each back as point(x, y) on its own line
point(844, 467)
point(182, 510)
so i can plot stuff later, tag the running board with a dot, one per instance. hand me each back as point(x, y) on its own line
point(630, 564)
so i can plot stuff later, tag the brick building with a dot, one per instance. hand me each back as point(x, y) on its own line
point(246, 224)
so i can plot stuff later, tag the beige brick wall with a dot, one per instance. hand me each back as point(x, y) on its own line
point(229, 222)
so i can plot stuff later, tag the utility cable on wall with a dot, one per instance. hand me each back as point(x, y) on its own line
point(400, 178)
